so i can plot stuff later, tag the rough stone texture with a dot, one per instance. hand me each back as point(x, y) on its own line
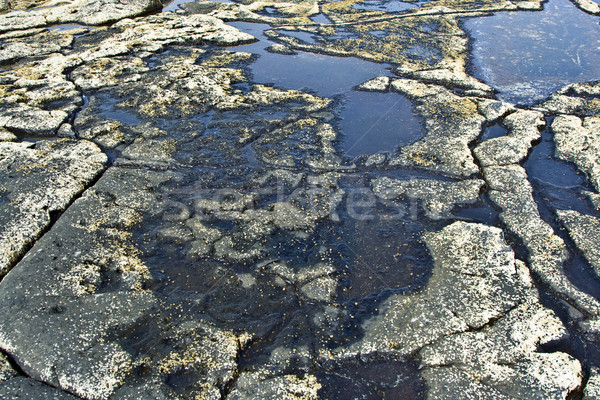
point(585, 232)
point(524, 128)
point(502, 357)
point(379, 84)
point(451, 123)
point(87, 12)
point(476, 326)
point(578, 141)
point(475, 279)
point(579, 99)
point(26, 389)
point(511, 191)
point(6, 136)
point(6, 370)
point(438, 197)
point(44, 178)
point(592, 388)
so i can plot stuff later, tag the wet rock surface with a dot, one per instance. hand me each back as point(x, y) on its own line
point(174, 228)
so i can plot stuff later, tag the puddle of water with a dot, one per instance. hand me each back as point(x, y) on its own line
point(493, 131)
point(375, 122)
point(321, 19)
point(385, 6)
point(321, 74)
point(528, 55)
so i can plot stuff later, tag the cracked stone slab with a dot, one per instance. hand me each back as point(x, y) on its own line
point(438, 197)
point(86, 12)
point(451, 123)
point(585, 232)
point(578, 141)
point(44, 178)
point(511, 191)
point(523, 128)
point(475, 280)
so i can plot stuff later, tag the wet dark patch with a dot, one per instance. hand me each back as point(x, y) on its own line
point(375, 380)
point(375, 122)
point(493, 131)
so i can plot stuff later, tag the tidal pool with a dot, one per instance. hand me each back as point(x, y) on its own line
point(323, 75)
point(528, 55)
point(376, 122)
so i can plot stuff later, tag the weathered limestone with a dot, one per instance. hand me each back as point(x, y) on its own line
point(477, 325)
point(438, 197)
point(511, 191)
point(578, 141)
point(86, 12)
point(524, 128)
point(451, 123)
point(585, 232)
point(592, 388)
point(44, 178)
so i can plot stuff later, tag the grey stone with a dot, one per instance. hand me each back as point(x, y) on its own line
point(439, 197)
point(511, 191)
point(26, 389)
point(523, 128)
point(6, 136)
point(592, 388)
point(280, 49)
point(578, 141)
point(585, 232)
point(44, 180)
point(475, 280)
point(451, 123)
point(379, 84)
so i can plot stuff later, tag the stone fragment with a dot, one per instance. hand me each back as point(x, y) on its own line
point(523, 129)
point(379, 84)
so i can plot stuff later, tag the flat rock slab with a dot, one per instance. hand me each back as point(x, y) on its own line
point(45, 178)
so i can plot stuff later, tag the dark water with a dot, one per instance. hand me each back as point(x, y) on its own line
point(376, 122)
point(317, 73)
point(528, 55)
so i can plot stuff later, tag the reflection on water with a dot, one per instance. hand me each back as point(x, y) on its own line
point(528, 55)
point(324, 75)
point(384, 6)
point(375, 122)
